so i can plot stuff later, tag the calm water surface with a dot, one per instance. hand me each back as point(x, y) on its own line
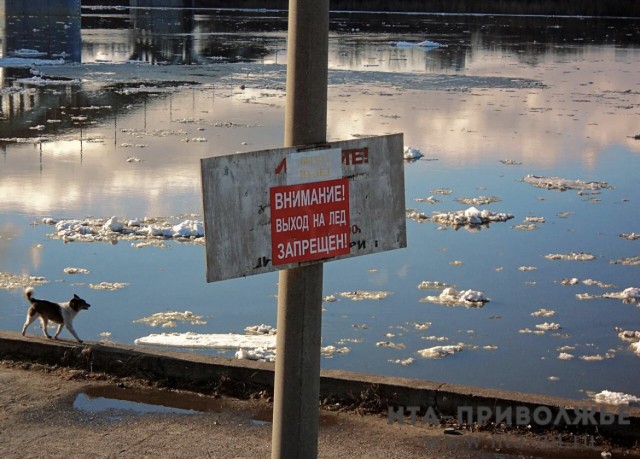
point(554, 96)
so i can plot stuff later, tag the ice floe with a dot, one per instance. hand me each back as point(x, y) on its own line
point(627, 261)
point(629, 335)
point(451, 297)
point(212, 340)
point(565, 356)
point(478, 201)
point(330, 351)
point(438, 352)
point(114, 229)
point(543, 313)
point(390, 344)
point(168, 319)
point(573, 256)
point(403, 362)
point(630, 236)
point(469, 217)
point(556, 183)
point(433, 285)
point(548, 326)
point(108, 285)
point(628, 295)
point(72, 270)
point(261, 329)
point(10, 281)
point(411, 154)
point(260, 354)
point(615, 398)
point(360, 295)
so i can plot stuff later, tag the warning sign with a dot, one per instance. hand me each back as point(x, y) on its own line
point(283, 208)
point(310, 221)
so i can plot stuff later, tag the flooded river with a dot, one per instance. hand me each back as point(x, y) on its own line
point(108, 113)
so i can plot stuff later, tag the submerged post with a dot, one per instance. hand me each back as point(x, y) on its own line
point(297, 376)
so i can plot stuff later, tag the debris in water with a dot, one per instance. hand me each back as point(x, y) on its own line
point(71, 270)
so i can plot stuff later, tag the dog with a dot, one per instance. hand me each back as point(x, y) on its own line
point(60, 313)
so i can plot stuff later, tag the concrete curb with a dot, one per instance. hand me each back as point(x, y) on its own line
point(377, 393)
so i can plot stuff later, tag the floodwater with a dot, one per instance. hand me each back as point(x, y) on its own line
point(119, 130)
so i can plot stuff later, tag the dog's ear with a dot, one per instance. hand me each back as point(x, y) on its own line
point(76, 296)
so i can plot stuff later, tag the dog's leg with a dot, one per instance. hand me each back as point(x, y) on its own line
point(72, 331)
point(44, 326)
point(31, 317)
point(58, 332)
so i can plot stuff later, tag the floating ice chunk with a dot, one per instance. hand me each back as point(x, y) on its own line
point(433, 285)
point(451, 297)
point(49, 221)
point(548, 326)
point(479, 201)
point(261, 329)
point(188, 228)
point(330, 299)
point(615, 398)
point(438, 352)
point(413, 214)
point(628, 335)
point(214, 340)
point(260, 354)
point(471, 217)
point(411, 153)
point(543, 313)
point(360, 295)
point(635, 348)
point(108, 285)
point(556, 183)
point(628, 295)
point(113, 225)
point(565, 356)
point(573, 256)
point(168, 319)
point(630, 236)
point(19, 281)
point(330, 351)
point(628, 261)
point(403, 362)
point(427, 44)
point(76, 271)
point(390, 344)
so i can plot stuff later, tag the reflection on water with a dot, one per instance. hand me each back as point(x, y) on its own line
point(123, 133)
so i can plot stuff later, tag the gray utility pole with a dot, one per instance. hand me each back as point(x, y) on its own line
point(297, 377)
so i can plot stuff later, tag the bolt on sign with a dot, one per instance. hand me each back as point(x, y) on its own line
point(288, 207)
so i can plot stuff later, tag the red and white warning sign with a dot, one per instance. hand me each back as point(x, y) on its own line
point(310, 221)
point(278, 209)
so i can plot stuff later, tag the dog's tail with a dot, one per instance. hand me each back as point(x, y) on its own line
point(28, 292)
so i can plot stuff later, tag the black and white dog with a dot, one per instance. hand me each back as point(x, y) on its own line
point(60, 313)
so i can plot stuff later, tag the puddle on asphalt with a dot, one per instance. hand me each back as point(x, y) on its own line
point(117, 400)
point(102, 399)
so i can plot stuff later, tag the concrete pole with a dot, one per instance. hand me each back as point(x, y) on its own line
point(297, 378)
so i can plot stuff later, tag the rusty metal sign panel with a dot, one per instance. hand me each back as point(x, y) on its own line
point(288, 207)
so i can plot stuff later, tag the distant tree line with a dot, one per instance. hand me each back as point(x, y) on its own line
point(536, 7)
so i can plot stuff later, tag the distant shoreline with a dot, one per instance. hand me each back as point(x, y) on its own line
point(611, 8)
